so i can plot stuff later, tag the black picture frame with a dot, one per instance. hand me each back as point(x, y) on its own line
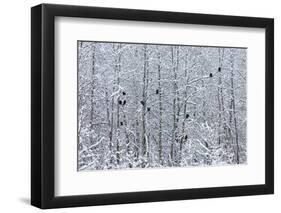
point(43, 102)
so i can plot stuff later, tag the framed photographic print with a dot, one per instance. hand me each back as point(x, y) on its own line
point(139, 106)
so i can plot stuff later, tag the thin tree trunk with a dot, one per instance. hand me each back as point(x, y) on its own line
point(108, 118)
point(144, 104)
point(128, 147)
point(224, 121)
point(111, 133)
point(183, 137)
point(147, 117)
point(118, 69)
point(160, 110)
point(111, 127)
point(138, 143)
point(92, 95)
point(234, 108)
point(219, 100)
point(175, 110)
point(177, 104)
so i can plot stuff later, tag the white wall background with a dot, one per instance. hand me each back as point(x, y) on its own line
point(15, 105)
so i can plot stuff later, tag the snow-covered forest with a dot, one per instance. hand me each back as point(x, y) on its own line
point(147, 106)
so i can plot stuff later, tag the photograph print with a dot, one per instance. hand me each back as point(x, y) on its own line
point(160, 106)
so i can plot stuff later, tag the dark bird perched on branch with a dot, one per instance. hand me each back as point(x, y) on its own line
point(187, 116)
point(120, 102)
point(157, 91)
point(148, 109)
point(211, 75)
point(124, 93)
point(142, 102)
point(185, 137)
point(124, 102)
point(121, 123)
point(219, 69)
